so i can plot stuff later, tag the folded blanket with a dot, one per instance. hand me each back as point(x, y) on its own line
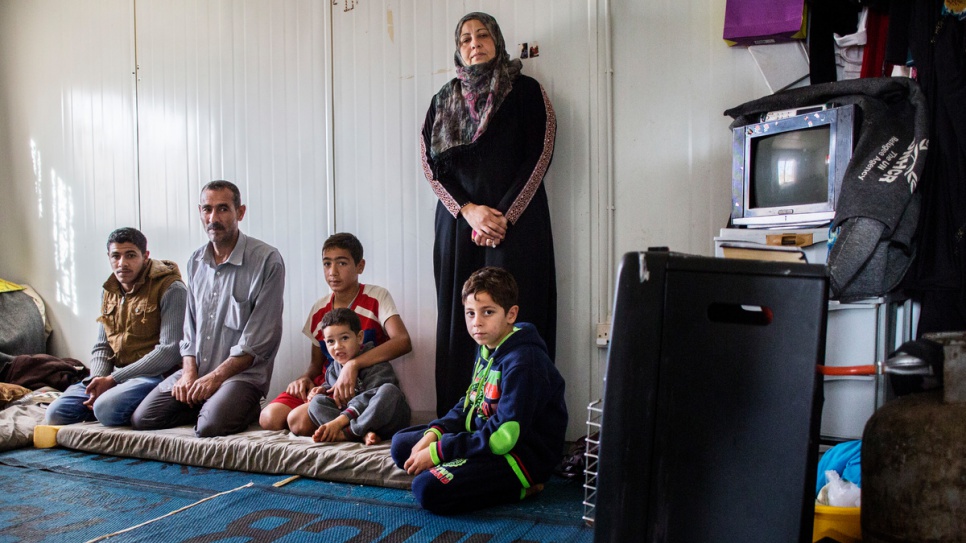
point(21, 326)
point(39, 370)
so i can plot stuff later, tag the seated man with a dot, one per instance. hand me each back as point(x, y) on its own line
point(232, 327)
point(142, 314)
point(377, 410)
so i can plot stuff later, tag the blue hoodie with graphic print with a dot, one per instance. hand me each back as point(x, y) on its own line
point(514, 408)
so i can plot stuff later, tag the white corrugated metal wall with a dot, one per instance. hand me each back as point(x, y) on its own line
point(673, 146)
point(68, 164)
point(300, 100)
point(390, 58)
point(125, 109)
point(237, 90)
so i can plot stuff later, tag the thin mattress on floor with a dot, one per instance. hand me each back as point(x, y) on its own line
point(255, 450)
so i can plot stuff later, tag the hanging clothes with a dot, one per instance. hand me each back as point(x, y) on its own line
point(936, 44)
point(828, 17)
point(877, 31)
point(850, 50)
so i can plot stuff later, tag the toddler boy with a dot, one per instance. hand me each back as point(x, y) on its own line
point(377, 410)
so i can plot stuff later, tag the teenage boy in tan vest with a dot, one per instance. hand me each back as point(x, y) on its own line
point(142, 315)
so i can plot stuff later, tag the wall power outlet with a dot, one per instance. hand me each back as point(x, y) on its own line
point(602, 338)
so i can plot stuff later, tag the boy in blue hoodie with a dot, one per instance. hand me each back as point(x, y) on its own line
point(501, 441)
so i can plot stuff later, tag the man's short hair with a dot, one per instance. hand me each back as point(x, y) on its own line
point(221, 184)
point(497, 282)
point(342, 316)
point(347, 241)
point(128, 235)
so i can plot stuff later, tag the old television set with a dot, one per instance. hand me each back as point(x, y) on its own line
point(787, 170)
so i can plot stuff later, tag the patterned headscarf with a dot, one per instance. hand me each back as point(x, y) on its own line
point(465, 106)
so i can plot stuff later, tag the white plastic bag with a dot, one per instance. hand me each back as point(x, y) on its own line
point(838, 492)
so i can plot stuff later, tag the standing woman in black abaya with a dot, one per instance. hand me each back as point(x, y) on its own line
point(486, 145)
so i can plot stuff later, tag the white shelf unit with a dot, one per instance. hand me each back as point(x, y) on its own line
point(861, 333)
point(815, 253)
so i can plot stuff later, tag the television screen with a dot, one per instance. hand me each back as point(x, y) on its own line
point(790, 168)
point(787, 172)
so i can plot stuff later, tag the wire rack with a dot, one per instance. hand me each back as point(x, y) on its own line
point(591, 460)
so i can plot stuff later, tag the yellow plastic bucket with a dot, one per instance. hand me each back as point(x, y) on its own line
point(842, 524)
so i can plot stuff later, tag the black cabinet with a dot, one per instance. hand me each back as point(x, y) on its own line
point(712, 401)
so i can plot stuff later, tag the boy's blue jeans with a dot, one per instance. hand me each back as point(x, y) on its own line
point(113, 408)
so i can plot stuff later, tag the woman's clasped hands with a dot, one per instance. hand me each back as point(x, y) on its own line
point(488, 224)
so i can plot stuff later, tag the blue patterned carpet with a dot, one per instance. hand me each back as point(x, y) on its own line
point(57, 495)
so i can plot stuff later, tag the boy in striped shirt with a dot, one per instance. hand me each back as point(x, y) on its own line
point(342, 262)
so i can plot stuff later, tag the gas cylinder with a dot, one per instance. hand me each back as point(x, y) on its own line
point(914, 462)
